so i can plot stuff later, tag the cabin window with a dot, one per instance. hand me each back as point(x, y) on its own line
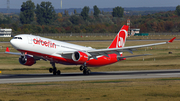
point(17, 38)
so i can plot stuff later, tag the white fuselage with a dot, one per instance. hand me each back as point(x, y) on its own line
point(44, 45)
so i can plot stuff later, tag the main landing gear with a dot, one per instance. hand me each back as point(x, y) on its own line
point(85, 70)
point(54, 69)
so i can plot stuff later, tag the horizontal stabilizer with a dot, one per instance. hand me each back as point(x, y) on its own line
point(14, 53)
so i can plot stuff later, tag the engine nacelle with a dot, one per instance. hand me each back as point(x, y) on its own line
point(80, 57)
point(27, 60)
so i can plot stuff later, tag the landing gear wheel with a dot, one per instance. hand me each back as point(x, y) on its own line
point(85, 69)
point(58, 72)
point(54, 72)
point(50, 70)
point(84, 72)
point(88, 71)
point(81, 68)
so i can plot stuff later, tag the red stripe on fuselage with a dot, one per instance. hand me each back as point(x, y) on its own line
point(101, 61)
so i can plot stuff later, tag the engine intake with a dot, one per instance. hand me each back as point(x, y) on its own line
point(27, 60)
point(79, 57)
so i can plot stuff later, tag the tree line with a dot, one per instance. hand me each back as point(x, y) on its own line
point(45, 13)
point(42, 18)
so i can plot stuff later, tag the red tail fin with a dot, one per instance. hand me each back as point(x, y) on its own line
point(120, 38)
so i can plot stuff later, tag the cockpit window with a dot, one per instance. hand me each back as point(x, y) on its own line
point(17, 38)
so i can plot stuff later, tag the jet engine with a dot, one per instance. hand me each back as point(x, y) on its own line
point(27, 60)
point(79, 57)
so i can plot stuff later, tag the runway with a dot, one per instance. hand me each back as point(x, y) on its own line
point(25, 78)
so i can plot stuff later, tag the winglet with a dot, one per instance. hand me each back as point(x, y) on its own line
point(172, 39)
point(7, 49)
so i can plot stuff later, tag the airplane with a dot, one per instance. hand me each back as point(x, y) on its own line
point(33, 48)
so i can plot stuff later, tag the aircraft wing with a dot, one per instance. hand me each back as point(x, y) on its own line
point(105, 52)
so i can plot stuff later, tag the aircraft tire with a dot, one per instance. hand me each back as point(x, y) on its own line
point(84, 72)
point(58, 72)
point(88, 71)
point(50, 70)
point(54, 72)
point(81, 68)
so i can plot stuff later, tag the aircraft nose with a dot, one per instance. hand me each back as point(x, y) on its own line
point(13, 43)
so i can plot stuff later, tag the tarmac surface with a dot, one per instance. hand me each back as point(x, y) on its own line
point(27, 78)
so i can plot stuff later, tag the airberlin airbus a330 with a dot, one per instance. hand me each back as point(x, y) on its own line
point(34, 48)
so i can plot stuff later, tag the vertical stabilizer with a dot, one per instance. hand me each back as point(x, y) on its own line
point(120, 38)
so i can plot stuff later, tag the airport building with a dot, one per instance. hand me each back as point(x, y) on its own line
point(5, 32)
point(134, 31)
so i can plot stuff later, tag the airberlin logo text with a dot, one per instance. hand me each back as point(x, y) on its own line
point(121, 43)
point(41, 42)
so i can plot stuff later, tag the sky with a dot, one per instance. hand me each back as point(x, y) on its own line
point(100, 3)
